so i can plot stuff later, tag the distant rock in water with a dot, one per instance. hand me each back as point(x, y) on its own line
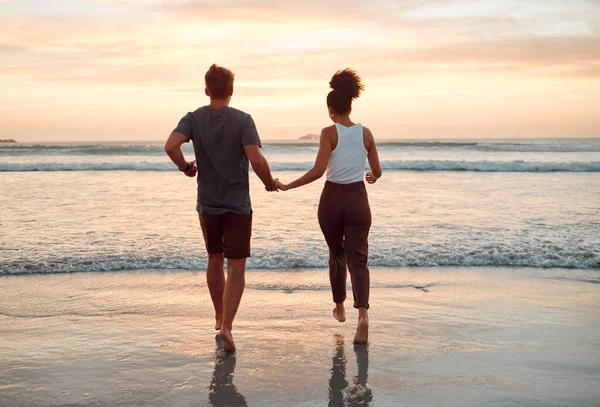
point(7, 140)
point(309, 136)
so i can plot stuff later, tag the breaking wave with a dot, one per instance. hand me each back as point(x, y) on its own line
point(409, 165)
point(156, 148)
point(545, 256)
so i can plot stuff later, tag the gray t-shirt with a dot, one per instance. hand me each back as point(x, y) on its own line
point(219, 137)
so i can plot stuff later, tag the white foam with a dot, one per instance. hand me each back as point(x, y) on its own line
point(411, 165)
point(422, 256)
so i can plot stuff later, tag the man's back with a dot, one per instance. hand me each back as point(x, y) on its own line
point(219, 137)
point(225, 141)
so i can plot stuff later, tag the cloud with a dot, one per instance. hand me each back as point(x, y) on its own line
point(284, 53)
point(5, 47)
point(529, 51)
point(585, 71)
point(74, 50)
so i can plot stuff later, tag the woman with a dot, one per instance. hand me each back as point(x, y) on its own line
point(344, 213)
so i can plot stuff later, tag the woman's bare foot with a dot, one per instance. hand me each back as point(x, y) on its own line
point(339, 312)
point(362, 331)
point(218, 324)
point(227, 340)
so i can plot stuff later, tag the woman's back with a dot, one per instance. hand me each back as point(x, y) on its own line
point(344, 213)
point(347, 162)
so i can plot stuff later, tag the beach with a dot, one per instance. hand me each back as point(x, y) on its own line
point(485, 272)
point(439, 336)
point(137, 136)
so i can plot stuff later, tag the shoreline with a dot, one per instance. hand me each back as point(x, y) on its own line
point(585, 275)
point(454, 337)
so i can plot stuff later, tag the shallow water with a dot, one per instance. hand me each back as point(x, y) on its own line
point(119, 220)
point(122, 206)
point(446, 336)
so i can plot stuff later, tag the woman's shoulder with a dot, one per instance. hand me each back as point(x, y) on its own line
point(330, 132)
point(367, 132)
point(368, 138)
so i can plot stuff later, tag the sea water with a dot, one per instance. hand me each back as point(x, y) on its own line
point(72, 207)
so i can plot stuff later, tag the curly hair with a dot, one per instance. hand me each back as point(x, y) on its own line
point(346, 85)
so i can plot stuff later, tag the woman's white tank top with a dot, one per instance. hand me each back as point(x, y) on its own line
point(347, 162)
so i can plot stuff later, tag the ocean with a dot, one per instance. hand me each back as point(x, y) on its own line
point(484, 260)
point(86, 207)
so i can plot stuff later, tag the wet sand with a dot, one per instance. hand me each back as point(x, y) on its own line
point(439, 336)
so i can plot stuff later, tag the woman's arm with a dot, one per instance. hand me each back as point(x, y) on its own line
point(318, 168)
point(373, 158)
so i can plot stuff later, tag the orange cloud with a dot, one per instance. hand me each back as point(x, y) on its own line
point(432, 60)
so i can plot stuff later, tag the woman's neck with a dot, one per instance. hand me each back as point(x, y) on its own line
point(344, 120)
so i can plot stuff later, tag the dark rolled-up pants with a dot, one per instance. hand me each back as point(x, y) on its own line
point(345, 219)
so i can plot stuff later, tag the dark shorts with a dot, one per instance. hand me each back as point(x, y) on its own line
point(228, 233)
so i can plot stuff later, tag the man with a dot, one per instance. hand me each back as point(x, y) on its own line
point(225, 140)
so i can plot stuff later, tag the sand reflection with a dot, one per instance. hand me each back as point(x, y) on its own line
point(340, 394)
point(221, 390)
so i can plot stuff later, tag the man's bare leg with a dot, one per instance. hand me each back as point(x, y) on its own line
point(362, 328)
point(215, 278)
point(234, 288)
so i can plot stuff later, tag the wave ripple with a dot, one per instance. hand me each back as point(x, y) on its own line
point(401, 165)
point(585, 257)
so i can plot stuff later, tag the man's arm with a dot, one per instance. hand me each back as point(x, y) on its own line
point(173, 150)
point(260, 166)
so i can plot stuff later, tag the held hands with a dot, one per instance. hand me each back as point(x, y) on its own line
point(280, 185)
point(277, 186)
point(273, 187)
point(370, 178)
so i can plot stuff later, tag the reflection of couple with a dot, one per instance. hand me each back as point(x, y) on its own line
point(222, 391)
point(225, 142)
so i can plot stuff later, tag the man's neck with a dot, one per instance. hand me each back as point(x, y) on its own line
point(219, 103)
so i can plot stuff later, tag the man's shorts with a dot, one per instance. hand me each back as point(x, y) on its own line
point(228, 233)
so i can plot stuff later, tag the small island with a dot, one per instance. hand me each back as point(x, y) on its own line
point(7, 140)
point(314, 137)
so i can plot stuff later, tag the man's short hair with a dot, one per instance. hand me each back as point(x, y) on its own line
point(219, 81)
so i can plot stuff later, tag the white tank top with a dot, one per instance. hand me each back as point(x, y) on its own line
point(347, 162)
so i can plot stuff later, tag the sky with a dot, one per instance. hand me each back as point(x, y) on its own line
point(107, 70)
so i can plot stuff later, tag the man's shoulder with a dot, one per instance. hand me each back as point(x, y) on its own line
point(200, 110)
point(239, 113)
point(232, 112)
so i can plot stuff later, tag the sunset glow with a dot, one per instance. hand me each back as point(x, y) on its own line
point(128, 70)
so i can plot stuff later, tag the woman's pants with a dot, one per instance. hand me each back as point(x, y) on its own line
point(345, 219)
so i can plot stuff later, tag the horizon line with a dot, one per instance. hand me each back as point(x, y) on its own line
point(267, 139)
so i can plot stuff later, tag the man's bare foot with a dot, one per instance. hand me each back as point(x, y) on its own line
point(362, 331)
point(339, 312)
point(227, 340)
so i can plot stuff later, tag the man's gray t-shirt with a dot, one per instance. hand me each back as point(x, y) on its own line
point(219, 137)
